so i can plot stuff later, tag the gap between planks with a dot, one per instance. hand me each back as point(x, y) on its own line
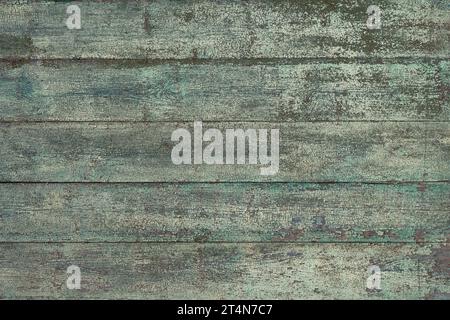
point(394, 182)
point(16, 122)
point(235, 61)
point(231, 242)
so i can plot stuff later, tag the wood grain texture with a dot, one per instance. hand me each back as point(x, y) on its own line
point(86, 177)
point(216, 212)
point(111, 90)
point(225, 29)
point(224, 271)
point(141, 152)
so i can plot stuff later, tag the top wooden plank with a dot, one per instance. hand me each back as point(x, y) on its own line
point(225, 29)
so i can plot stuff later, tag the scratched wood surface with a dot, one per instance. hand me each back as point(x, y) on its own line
point(217, 212)
point(86, 176)
point(226, 29)
point(141, 152)
point(271, 91)
point(221, 271)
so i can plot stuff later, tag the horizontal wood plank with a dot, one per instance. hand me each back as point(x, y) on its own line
point(137, 91)
point(231, 212)
point(224, 271)
point(231, 29)
point(141, 152)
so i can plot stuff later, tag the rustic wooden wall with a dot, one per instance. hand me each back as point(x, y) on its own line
point(86, 176)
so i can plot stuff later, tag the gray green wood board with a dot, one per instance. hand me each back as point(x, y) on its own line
point(86, 177)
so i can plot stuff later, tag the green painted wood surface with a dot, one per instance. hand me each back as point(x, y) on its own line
point(177, 91)
point(86, 176)
point(223, 271)
point(228, 29)
point(141, 152)
point(216, 212)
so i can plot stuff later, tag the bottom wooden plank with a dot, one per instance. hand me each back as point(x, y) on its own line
point(219, 271)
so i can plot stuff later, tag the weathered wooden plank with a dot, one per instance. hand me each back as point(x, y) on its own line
point(137, 91)
point(225, 29)
point(232, 212)
point(224, 271)
point(141, 152)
